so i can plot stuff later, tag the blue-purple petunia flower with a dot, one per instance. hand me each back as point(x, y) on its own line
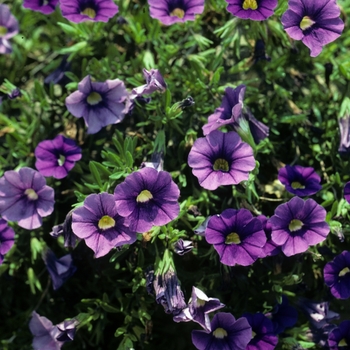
point(154, 82)
point(44, 6)
point(7, 238)
point(257, 10)
point(100, 225)
point(8, 28)
point(147, 198)
point(297, 225)
point(226, 333)
point(88, 10)
point(339, 337)
point(65, 230)
point(337, 275)
point(25, 197)
point(56, 157)
point(301, 181)
point(314, 22)
point(237, 236)
point(182, 247)
point(100, 104)
point(172, 11)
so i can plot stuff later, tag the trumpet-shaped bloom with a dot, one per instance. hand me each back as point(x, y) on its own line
point(172, 11)
point(147, 198)
point(25, 197)
point(8, 28)
point(46, 7)
point(7, 238)
point(220, 159)
point(154, 82)
point(298, 224)
point(257, 10)
point(56, 157)
point(314, 22)
point(344, 130)
point(88, 10)
point(100, 225)
point(100, 104)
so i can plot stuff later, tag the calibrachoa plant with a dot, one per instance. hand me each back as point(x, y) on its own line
point(174, 174)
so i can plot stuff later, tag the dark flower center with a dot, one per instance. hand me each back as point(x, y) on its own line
point(297, 185)
point(295, 225)
point(3, 30)
point(106, 222)
point(177, 12)
point(31, 194)
point(89, 12)
point(250, 4)
point(232, 238)
point(343, 342)
point(94, 98)
point(61, 160)
point(220, 333)
point(306, 23)
point(144, 196)
point(344, 271)
point(221, 164)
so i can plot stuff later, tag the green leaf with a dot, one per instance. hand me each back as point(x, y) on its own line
point(95, 173)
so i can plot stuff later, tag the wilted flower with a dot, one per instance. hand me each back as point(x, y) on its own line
point(8, 28)
point(100, 225)
point(25, 198)
point(7, 238)
point(237, 236)
point(100, 104)
point(154, 82)
point(147, 198)
point(65, 229)
point(344, 129)
point(88, 10)
point(172, 11)
point(297, 225)
point(46, 7)
point(227, 333)
point(314, 22)
point(182, 247)
point(339, 338)
point(257, 10)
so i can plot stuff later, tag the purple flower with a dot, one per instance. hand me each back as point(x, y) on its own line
point(314, 22)
point(157, 162)
point(263, 332)
point(299, 180)
point(8, 28)
point(100, 104)
point(60, 269)
point(65, 229)
point(25, 198)
point(66, 330)
point(258, 130)
point(227, 333)
point(347, 192)
point(56, 157)
point(339, 338)
point(172, 11)
point(257, 10)
point(200, 230)
point(344, 130)
point(44, 6)
point(297, 225)
point(58, 76)
point(88, 10)
point(100, 225)
point(182, 247)
point(7, 239)
point(154, 82)
point(237, 236)
point(270, 248)
point(220, 159)
point(337, 275)
point(148, 198)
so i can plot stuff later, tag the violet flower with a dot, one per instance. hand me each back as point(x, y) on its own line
point(344, 130)
point(172, 11)
point(200, 230)
point(25, 197)
point(65, 230)
point(221, 159)
point(58, 75)
point(88, 10)
point(100, 104)
point(227, 333)
point(270, 248)
point(237, 236)
point(157, 162)
point(339, 338)
point(147, 198)
point(67, 330)
point(44, 6)
point(297, 225)
point(7, 238)
point(154, 82)
point(181, 247)
point(56, 157)
point(60, 269)
point(337, 275)
point(299, 180)
point(100, 225)
point(257, 10)
point(314, 22)
point(8, 28)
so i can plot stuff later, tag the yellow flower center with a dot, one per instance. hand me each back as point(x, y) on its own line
point(94, 98)
point(89, 12)
point(61, 160)
point(31, 194)
point(295, 225)
point(306, 23)
point(220, 333)
point(344, 271)
point(250, 4)
point(144, 196)
point(200, 302)
point(221, 164)
point(253, 334)
point(180, 13)
point(3, 30)
point(297, 185)
point(232, 238)
point(343, 342)
point(106, 222)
